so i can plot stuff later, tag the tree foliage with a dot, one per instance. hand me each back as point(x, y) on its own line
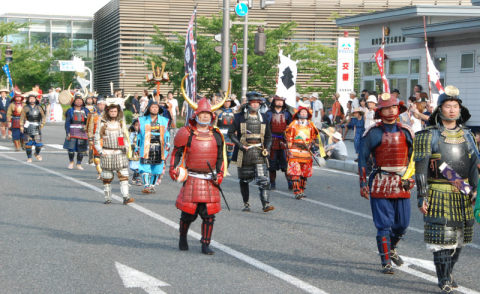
point(315, 59)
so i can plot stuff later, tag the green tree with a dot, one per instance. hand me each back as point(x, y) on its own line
point(63, 52)
point(11, 28)
point(314, 59)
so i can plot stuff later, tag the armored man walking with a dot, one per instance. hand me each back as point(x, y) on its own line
point(13, 118)
point(252, 137)
point(32, 121)
point(391, 145)
point(76, 131)
point(279, 119)
point(224, 120)
point(112, 143)
point(200, 149)
point(446, 173)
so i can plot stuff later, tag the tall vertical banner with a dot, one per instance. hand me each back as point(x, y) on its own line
point(190, 64)
point(345, 69)
point(6, 69)
point(380, 59)
point(287, 79)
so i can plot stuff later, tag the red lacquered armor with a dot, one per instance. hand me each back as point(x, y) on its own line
point(203, 148)
point(278, 123)
point(393, 152)
point(196, 191)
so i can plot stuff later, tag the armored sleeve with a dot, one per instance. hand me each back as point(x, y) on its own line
point(10, 109)
point(363, 155)
point(97, 137)
point(90, 127)
point(68, 119)
point(44, 117)
point(22, 116)
point(232, 130)
point(474, 162)
point(220, 142)
point(422, 148)
point(267, 142)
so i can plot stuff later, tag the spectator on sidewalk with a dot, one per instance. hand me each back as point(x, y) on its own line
point(135, 106)
point(370, 111)
point(363, 104)
point(355, 102)
point(337, 110)
point(346, 123)
point(337, 150)
point(143, 102)
point(396, 94)
point(297, 98)
point(317, 108)
point(359, 129)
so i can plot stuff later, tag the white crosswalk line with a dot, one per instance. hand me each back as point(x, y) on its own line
point(5, 148)
point(56, 146)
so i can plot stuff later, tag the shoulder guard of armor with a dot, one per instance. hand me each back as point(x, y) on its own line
point(181, 139)
point(408, 128)
point(370, 128)
point(422, 144)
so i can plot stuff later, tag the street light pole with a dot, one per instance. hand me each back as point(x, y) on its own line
point(245, 57)
point(226, 45)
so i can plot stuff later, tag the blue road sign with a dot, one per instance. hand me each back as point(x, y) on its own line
point(241, 9)
point(234, 63)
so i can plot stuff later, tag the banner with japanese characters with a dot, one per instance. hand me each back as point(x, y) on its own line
point(191, 64)
point(380, 59)
point(345, 69)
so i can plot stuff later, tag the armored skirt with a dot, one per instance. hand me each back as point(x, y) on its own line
point(197, 190)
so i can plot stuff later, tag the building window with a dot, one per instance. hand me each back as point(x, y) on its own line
point(415, 66)
point(440, 64)
point(398, 67)
point(370, 69)
point(22, 35)
point(467, 62)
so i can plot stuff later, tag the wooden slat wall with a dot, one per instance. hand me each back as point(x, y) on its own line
point(122, 28)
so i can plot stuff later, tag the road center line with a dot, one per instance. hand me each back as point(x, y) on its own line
point(228, 250)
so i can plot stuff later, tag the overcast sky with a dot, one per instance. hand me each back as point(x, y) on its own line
point(52, 7)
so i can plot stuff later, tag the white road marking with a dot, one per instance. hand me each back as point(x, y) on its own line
point(5, 148)
point(245, 258)
point(336, 171)
point(133, 278)
point(23, 152)
point(348, 211)
point(56, 146)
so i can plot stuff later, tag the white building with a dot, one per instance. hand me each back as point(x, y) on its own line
point(453, 39)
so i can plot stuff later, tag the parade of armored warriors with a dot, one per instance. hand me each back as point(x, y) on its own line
point(255, 155)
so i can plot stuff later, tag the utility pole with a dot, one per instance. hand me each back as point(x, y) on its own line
point(226, 45)
point(245, 57)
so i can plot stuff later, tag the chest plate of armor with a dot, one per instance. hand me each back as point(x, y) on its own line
point(454, 154)
point(155, 133)
point(203, 148)
point(18, 109)
point(225, 119)
point(112, 132)
point(79, 117)
point(33, 114)
point(278, 123)
point(392, 152)
point(254, 129)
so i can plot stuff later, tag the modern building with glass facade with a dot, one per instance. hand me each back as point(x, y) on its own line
point(51, 30)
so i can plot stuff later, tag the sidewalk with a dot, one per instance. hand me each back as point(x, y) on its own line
point(349, 165)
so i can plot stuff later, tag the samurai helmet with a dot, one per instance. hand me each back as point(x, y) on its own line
point(203, 104)
point(451, 94)
point(387, 100)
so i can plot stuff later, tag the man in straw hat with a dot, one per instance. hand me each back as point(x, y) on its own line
point(32, 121)
point(153, 143)
point(13, 117)
point(225, 118)
point(4, 104)
point(279, 119)
point(391, 145)
point(92, 123)
point(446, 161)
point(112, 142)
point(252, 136)
point(76, 130)
point(301, 135)
point(200, 149)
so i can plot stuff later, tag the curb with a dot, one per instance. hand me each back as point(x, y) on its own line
point(348, 165)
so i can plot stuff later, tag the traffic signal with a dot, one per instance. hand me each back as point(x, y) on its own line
point(248, 2)
point(8, 55)
point(260, 41)
point(265, 3)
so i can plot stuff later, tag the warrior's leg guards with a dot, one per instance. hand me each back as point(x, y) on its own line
point(153, 180)
point(263, 186)
point(183, 244)
point(273, 178)
point(207, 228)
point(29, 151)
point(124, 189)
point(383, 244)
point(303, 184)
point(107, 189)
point(245, 191)
point(393, 250)
point(289, 181)
point(79, 158)
point(71, 156)
point(443, 264)
point(454, 261)
point(146, 179)
point(22, 143)
point(37, 153)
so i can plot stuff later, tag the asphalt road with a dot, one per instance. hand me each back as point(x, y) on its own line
point(58, 237)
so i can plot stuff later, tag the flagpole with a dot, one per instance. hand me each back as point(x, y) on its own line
point(426, 52)
point(383, 57)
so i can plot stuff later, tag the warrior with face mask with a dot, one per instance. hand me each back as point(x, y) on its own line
point(196, 147)
point(153, 143)
point(388, 186)
point(76, 129)
point(279, 119)
point(252, 136)
point(446, 160)
point(225, 117)
point(114, 150)
point(92, 123)
point(301, 134)
point(32, 121)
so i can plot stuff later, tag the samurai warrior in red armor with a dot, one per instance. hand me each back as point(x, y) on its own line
point(279, 119)
point(198, 147)
point(301, 135)
point(13, 118)
point(389, 184)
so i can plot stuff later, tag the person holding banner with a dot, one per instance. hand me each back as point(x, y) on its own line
point(4, 104)
point(446, 160)
point(13, 117)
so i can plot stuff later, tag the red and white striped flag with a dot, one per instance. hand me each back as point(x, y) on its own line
point(380, 58)
point(433, 73)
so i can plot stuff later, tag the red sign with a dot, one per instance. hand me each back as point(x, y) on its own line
point(234, 48)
